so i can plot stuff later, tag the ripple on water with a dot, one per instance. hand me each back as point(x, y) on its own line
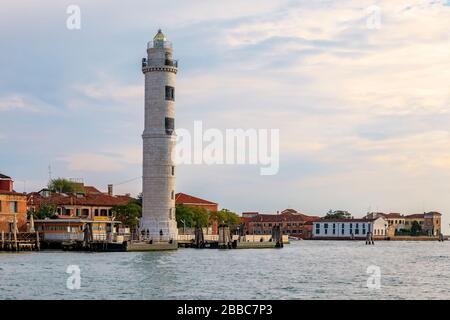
point(302, 270)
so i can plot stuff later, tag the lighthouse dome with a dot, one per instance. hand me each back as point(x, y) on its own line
point(160, 36)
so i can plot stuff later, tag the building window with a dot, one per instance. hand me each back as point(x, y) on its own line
point(170, 125)
point(0, 205)
point(96, 212)
point(317, 228)
point(170, 93)
point(85, 212)
point(173, 195)
point(13, 208)
point(173, 170)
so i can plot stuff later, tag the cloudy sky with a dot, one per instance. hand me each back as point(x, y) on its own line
point(363, 112)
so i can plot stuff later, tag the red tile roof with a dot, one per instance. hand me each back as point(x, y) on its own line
point(91, 189)
point(284, 217)
point(344, 220)
point(2, 176)
point(414, 216)
point(90, 199)
point(12, 193)
point(182, 198)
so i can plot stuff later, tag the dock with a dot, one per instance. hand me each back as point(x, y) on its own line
point(224, 240)
point(20, 241)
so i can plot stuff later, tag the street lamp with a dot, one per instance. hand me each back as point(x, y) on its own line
point(184, 226)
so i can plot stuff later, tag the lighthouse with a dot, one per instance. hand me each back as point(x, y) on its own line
point(158, 221)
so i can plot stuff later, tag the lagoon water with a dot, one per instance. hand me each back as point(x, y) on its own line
point(301, 270)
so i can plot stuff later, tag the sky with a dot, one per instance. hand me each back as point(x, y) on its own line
point(363, 109)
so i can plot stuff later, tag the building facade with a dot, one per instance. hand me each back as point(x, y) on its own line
point(159, 68)
point(432, 223)
point(398, 224)
point(13, 207)
point(291, 222)
point(89, 204)
point(347, 229)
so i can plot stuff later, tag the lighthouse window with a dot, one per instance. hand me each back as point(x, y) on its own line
point(173, 173)
point(170, 125)
point(170, 93)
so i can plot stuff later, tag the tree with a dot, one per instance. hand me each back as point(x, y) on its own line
point(64, 186)
point(416, 228)
point(191, 217)
point(225, 217)
point(184, 216)
point(338, 214)
point(128, 214)
point(45, 211)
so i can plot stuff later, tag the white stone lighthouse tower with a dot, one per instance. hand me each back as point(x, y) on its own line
point(158, 214)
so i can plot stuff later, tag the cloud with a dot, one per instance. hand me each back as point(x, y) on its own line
point(11, 102)
point(363, 114)
point(109, 159)
point(18, 102)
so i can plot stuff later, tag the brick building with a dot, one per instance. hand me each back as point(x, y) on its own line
point(292, 223)
point(89, 204)
point(188, 200)
point(13, 206)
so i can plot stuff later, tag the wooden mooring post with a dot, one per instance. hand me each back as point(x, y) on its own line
point(224, 237)
point(38, 243)
point(369, 238)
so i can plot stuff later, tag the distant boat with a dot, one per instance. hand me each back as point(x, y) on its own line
point(294, 238)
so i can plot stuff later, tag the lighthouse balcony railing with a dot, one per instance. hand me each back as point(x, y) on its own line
point(172, 63)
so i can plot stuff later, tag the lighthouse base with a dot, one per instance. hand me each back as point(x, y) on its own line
point(147, 246)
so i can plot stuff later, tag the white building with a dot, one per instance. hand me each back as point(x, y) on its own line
point(158, 190)
point(348, 228)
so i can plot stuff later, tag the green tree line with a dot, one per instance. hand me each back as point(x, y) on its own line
point(191, 217)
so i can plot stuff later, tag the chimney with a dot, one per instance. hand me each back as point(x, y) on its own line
point(110, 189)
point(6, 183)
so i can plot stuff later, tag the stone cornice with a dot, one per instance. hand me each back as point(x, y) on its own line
point(159, 68)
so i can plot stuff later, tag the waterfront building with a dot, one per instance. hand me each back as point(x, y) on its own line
point(59, 230)
point(158, 214)
point(430, 222)
point(346, 229)
point(291, 222)
point(13, 207)
point(396, 221)
point(191, 201)
point(88, 204)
